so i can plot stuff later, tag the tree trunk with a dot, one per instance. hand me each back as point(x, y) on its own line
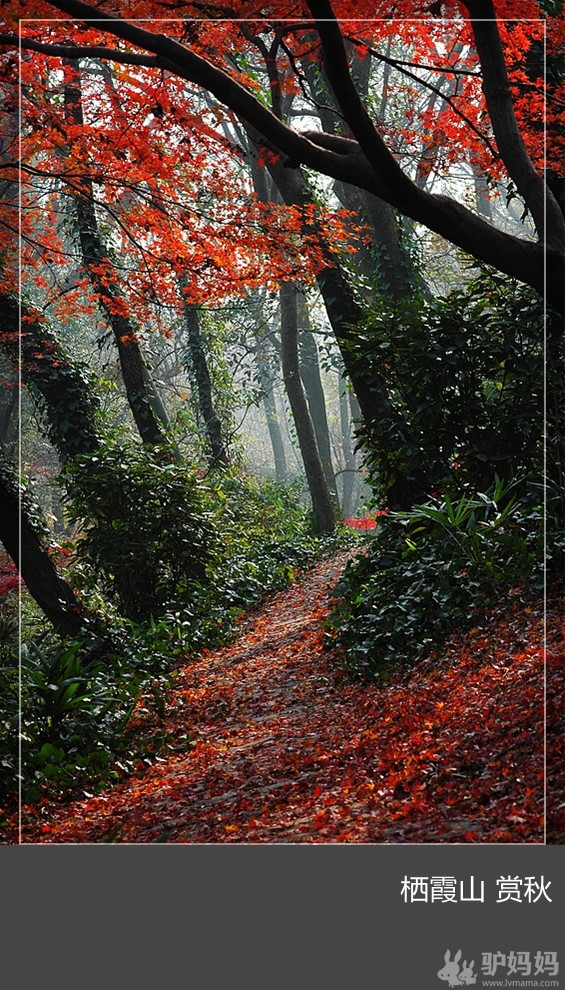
point(266, 381)
point(346, 319)
point(343, 311)
point(69, 404)
point(95, 257)
point(350, 466)
point(317, 485)
point(311, 379)
point(383, 262)
point(70, 409)
point(275, 435)
point(345, 315)
point(21, 541)
point(9, 402)
point(496, 87)
point(201, 374)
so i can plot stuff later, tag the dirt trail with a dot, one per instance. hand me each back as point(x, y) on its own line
point(257, 714)
point(282, 751)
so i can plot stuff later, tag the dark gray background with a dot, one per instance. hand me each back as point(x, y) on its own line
point(262, 917)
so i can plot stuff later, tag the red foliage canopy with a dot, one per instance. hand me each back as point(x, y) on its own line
point(164, 157)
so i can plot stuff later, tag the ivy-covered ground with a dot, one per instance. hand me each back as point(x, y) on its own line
point(267, 743)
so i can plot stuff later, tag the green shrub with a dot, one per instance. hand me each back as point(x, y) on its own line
point(476, 384)
point(467, 377)
point(9, 694)
point(426, 570)
point(72, 729)
point(267, 538)
point(73, 711)
point(147, 530)
point(254, 510)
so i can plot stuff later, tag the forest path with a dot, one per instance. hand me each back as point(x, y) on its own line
point(282, 751)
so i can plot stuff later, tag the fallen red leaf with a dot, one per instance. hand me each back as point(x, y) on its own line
point(285, 751)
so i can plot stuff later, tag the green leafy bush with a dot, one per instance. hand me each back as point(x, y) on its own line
point(163, 543)
point(476, 384)
point(147, 529)
point(467, 375)
point(77, 698)
point(9, 693)
point(70, 706)
point(266, 537)
point(424, 572)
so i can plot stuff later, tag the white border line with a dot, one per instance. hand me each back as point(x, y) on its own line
point(300, 20)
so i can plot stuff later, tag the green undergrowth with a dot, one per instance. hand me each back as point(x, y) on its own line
point(426, 572)
point(92, 709)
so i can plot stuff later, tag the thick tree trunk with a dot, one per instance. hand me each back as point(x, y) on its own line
point(345, 315)
point(321, 499)
point(383, 262)
point(69, 405)
point(20, 540)
point(70, 410)
point(9, 426)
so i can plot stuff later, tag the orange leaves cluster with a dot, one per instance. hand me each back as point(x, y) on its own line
point(164, 161)
point(282, 751)
point(172, 197)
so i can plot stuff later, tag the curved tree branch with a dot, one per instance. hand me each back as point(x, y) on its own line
point(419, 204)
point(366, 162)
point(496, 88)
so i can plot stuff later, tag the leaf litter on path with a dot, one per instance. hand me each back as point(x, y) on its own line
point(284, 750)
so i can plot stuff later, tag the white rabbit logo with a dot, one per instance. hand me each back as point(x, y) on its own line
point(451, 969)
